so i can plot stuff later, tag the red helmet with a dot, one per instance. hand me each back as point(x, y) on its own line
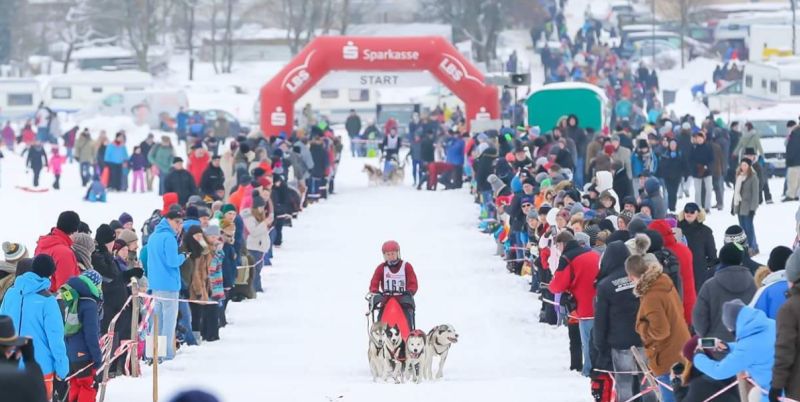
point(390, 245)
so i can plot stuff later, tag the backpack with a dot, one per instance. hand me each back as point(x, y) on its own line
point(69, 298)
point(150, 224)
point(671, 267)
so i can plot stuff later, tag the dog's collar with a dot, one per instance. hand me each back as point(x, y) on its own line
point(436, 343)
point(396, 354)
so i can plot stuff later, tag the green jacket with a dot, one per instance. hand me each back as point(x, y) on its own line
point(84, 149)
point(161, 156)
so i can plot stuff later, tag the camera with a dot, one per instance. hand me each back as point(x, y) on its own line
point(709, 343)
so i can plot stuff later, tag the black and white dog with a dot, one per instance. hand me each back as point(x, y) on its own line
point(393, 354)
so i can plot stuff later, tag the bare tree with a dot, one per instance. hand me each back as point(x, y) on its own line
point(228, 45)
point(188, 23)
point(681, 10)
point(78, 32)
point(141, 28)
point(478, 21)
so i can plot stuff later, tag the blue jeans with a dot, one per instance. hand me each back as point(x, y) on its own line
point(186, 323)
point(416, 170)
point(578, 176)
point(86, 173)
point(487, 204)
point(586, 331)
point(746, 222)
point(167, 312)
point(258, 258)
point(666, 394)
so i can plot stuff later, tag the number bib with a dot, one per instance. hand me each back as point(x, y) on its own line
point(394, 283)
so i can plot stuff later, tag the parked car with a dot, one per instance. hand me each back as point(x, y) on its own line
point(235, 128)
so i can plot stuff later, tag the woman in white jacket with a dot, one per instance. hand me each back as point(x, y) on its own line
point(257, 221)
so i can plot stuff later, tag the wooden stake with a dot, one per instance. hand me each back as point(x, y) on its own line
point(155, 357)
point(135, 327)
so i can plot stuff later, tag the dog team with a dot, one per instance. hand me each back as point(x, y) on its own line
point(391, 357)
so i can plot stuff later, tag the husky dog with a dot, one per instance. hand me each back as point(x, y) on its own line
point(375, 352)
point(438, 344)
point(415, 355)
point(398, 173)
point(374, 174)
point(393, 354)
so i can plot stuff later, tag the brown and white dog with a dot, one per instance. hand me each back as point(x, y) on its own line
point(375, 352)
point(438, 344)
point(415, 355)
point(374, 174)
point(393, 354)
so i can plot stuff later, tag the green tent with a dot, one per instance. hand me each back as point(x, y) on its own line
point(551, 102)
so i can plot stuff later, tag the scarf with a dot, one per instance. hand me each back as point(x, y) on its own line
point(737, 189)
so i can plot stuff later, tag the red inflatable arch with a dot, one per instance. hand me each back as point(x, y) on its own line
point(328, 53)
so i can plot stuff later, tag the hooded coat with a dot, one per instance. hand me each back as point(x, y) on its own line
point(163, 259)
point(36, 314)
point(772, 294)
point(58, 245)
point(753, 351)
point(700, 240)
point(615, 304)
point(180, 181)
point(84, 346)
point(728, 283)
point(786, 372)
point(576, 273)
point(684, 256)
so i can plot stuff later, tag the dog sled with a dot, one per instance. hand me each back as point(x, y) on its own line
point(390, 311)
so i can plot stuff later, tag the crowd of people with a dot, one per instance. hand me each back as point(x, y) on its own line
point(66, 308)
point(622, 267)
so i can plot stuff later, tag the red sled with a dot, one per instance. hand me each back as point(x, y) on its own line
point(393, 314)
point(34, 189)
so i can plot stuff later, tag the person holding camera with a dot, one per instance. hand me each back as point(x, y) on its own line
point(690, 384)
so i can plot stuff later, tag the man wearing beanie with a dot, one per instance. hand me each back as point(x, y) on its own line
point(180, 181)
point(57, 244)
point(735, 234)
point(772, 294)
point(40, 319)
point(753, 352)
point(785, 373)
point(730, 281)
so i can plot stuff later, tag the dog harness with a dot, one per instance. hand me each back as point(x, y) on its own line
point(394, 282)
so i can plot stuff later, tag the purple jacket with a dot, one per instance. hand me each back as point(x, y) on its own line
point(138, 161)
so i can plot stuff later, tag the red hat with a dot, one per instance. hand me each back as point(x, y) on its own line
point(608, 149)
point(169, 199)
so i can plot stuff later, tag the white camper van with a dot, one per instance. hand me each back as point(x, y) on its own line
point(75, 91)
point(154, 107)
point(19, 98)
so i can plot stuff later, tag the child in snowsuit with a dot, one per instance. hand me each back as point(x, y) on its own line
point(56, 162)
point(96, 191)
point(137, 164)
point(83, 347)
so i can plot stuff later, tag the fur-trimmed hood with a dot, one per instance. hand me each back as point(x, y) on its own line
point(701, 216)
point(653, 279)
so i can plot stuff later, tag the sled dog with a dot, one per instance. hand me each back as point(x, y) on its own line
point(438, 344)
point(415, 355)
point(398, 173)
point(374, 174)
point(375, 352)
point(393, 354)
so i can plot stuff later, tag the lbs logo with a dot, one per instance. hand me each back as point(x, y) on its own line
point(298, 76)
point(453, 71)
point(350, 51)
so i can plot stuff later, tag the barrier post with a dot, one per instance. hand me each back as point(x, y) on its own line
point(155, 357)
point(134, 351)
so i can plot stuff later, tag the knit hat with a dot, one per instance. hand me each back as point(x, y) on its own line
point(192, 212)
point(637, 225)
point(730, 311)
point(68, 222)
point(686, 126)
point(212, 230)
point(608, 223)
point(777, 258)
point(525, 199)
point(175, 212)
point(619, 235)
point(792, 267)
point(104, 235)
point(749, 151)
point(93, 276)
point(177, 159)
point(128, 236)
point(689, 347)
point(83, 246)
point(119, 244)
point(194, 396)
point(626, 216)
point(608, 149)
point(495, 182)
point(43, 265)
point(482, 147)
point(115, 225)
point(532, 214)
point(195, 200)
point(203, 212)
point(258, 201)
point(125, 218)
point(592, 231)
point(228, 208)
point(14, 251)
point(735, 234)
point(629, 200)
point(583, 239)
point(731, 254)
point(691, 207)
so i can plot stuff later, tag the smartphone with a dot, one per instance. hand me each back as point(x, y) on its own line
point(709, 343)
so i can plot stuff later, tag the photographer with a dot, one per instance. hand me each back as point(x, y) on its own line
point(689, 384)
point(18, 385)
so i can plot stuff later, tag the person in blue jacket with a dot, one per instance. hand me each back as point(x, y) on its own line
point(772, 294)
point(36, 314)
point(753, 351)
point(163, 273)
point(83, 347)
point(115, 157)
point(181, 124)
point(454, 156)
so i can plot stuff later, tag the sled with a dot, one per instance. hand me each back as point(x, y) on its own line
point(393, 314)
point(33, 189)
point(648, 375)
point(105, 176)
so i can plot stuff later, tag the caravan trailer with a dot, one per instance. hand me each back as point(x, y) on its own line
point(75, 91)
point(19, 98)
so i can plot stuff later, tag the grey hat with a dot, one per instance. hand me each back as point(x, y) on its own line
point(533, 214)
point(637, 225)
point(212, 230)
point(583, 239)
point(592, 231)
point(793, 267)
point(541, 176)
point(495, 182)
point(614, 137)
point(195, 200)
point(730, 310)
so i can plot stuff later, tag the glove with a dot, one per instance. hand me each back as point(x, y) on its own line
point(775, 394)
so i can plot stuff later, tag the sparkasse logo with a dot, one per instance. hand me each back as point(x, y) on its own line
point(389, 54)
point(350, 51)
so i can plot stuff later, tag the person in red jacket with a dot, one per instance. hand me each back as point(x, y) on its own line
point(58, 245)
point(394, 277)
point(685, 263)
point(199, 159)
point(576, 273)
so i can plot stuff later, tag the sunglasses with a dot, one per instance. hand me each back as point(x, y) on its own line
point(689, 212)
point(527, 205)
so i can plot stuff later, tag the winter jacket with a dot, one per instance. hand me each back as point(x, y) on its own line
point(728, 283)
point(772, 294)
point(353, 126)
point(145, 149)
point(115, 153)
point(137, 162)
point(58, 245)
point(753, 351)
point(622, 156)
point(212, 179)
point(194, 271)
point(749, 192)
point(671, 166)
point(163, 260)
point(229, 266)
point(427, 150)
point(660, 323)
point(644, 163)
point(483, 167)
point(700, 160)
point(615, 305)
point(684, 256)
point(56, 163)
point(84, 346)
point(454, 153)
point(578, 135)
point(793, 148)
point(37, 158)
point(197, 165)
point(786, 372)
point(321, 160)
point(700, 240)
point(376, 283)
point(115, 290)
point(658, 205)
point(84, 149)
point(161, 156)
point(576, 273)
point(750, 139)
point(181, 182)
point(700, 387)
point(258, 232)
point(719, 160)
point(36, 314)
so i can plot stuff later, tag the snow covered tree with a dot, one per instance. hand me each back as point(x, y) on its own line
point(78, 32)
point(681, 10)
point(140, 27)
point(474, 20)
